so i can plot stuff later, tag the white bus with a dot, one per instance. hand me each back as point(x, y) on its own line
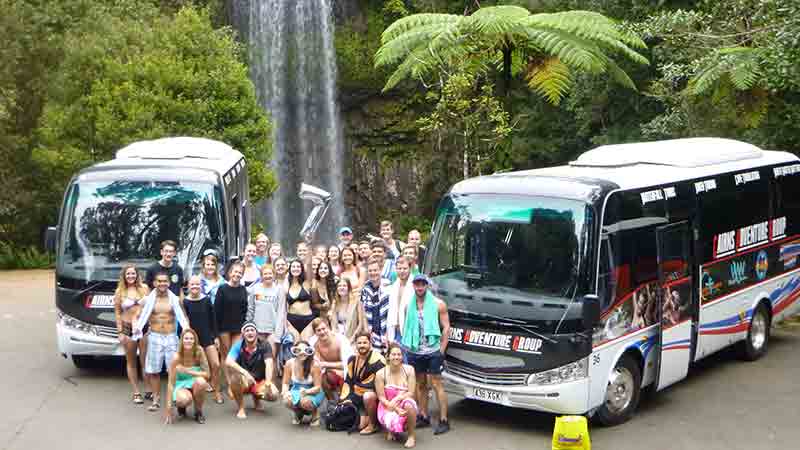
point(190, 190)
point(571, 288)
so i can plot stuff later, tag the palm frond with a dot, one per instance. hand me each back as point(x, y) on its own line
point(404, 44)
point(619, 75)
point(550, 78)
point(570, 49)
point(497, 20)
point(405, 24)
point(415, 64)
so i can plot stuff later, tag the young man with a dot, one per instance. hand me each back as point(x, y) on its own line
point(410, 253)
point(345, 237)
point(400, 294)
point(359, 384)
point(364, 252)
point(415, 239)
point(262, 245)
point(375, 298)
point(378, 249)
point(332, 351)
point(167, 264)
point(425, 339)
point(387, 234)
point(250, 369)
point(163, 312)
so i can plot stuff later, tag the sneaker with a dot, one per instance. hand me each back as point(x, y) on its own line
point(423, 422)
point(297, 418)
point(442, 427)
point(181, 412)
point(200, 418)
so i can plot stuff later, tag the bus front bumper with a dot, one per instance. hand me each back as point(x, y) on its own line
point(76, 342)
point(564, 398)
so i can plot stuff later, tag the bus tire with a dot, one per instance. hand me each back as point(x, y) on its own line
point(757, 341)
point(622, 393)
point(82, 361)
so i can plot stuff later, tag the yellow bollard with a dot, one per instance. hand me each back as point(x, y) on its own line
point(571, 433)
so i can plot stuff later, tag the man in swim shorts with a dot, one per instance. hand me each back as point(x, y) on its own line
point(250, 369)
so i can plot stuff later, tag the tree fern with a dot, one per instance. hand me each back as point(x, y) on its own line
point(739, 64)
point(550, 78)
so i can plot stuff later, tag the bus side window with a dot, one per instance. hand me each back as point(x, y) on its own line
point(787, 202)
point(608, 275)
point(236, 237)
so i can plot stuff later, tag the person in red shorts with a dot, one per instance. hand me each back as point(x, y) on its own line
point(332, 351)
point(250, 369)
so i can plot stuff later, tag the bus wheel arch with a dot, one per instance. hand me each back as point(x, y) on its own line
point(623, 391)
point(756, 342)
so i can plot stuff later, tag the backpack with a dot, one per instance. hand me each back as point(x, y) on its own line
point(343, 417)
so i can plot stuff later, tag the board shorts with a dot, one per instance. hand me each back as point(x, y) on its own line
point(161, 348)
point(430, 363)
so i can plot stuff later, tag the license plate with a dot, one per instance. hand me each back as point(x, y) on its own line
point(99, 301)
point(487, 395)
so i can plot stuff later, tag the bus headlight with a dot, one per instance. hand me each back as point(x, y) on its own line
point(71, 322)
point(571, 372)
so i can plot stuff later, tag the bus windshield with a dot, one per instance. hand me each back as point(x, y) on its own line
point(109, 223)
point(509, 257)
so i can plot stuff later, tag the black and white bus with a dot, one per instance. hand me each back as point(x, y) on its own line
point(190, 190)
point(571, 288)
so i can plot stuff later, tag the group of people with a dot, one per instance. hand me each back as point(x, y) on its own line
point(353, 323)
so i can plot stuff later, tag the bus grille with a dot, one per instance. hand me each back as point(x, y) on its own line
point(109, 332)
point(478, 376)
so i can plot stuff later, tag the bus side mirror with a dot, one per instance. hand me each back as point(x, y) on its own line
point(50, 239)
point(590, 311)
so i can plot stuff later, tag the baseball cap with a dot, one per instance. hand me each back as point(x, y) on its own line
point(345, 230)
point(420, 278)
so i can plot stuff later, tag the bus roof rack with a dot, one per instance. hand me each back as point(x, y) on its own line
point(176, 148)
point(690, 152)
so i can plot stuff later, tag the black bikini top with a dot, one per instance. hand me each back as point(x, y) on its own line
point(302, 296)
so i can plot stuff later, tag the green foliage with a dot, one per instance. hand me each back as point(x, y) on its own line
point(405, 223)
point(14, 258)
point(430, 44)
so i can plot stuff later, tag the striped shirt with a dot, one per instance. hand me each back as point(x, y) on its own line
point(376, 309)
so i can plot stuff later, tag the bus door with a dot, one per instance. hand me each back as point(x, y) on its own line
point(675, 303)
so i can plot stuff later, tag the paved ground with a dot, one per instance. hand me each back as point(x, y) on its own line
point(47, 403)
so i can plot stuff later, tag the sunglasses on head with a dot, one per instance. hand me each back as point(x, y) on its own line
point(297, 351)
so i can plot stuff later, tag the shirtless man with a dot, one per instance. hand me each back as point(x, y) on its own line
point(332, 351)
point(163, 312)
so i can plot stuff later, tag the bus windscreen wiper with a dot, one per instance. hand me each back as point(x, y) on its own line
point(491, 319)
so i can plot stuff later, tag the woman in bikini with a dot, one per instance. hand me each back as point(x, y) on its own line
point(395, 385)
point(302, 384)
point(127, 305)
point(298, 302)
point(252, 272)
point(347, 312)
point(187, 384)
point(200, 313)
point(333, 259)
point(322, 290)
point(352, 271)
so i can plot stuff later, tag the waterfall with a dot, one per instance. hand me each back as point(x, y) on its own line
point(293, 67)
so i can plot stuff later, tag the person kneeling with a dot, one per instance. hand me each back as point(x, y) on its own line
point(395, 385)
point(302, 384)
point(188, 373)
point(250, 369)
point(359, 383)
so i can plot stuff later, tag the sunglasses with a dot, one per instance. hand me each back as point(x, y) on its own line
point(297, 351)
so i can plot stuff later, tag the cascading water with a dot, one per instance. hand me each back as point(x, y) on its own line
point(293, 67)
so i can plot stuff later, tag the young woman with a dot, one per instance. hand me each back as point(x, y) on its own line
point(210, 279)
point(298, 300)
point(262, 245)
point(354, 273)
point(333, 259)
point(188, 373)
point(275, 252)
point(281, 273)
point(322, 289)
point(230, 308)
point(266, 307)
point(302, 384)
point(128, 299)
point(200, 313)
point(347, 312)
point(252, 271)
point(321, 252)
point(395, 385)
point(313, 265)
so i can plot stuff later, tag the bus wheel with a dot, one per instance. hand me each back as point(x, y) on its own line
point(82, 361)
point(755, 346)
point(622, 394)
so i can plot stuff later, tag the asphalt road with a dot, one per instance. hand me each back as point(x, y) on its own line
point(49, 404)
